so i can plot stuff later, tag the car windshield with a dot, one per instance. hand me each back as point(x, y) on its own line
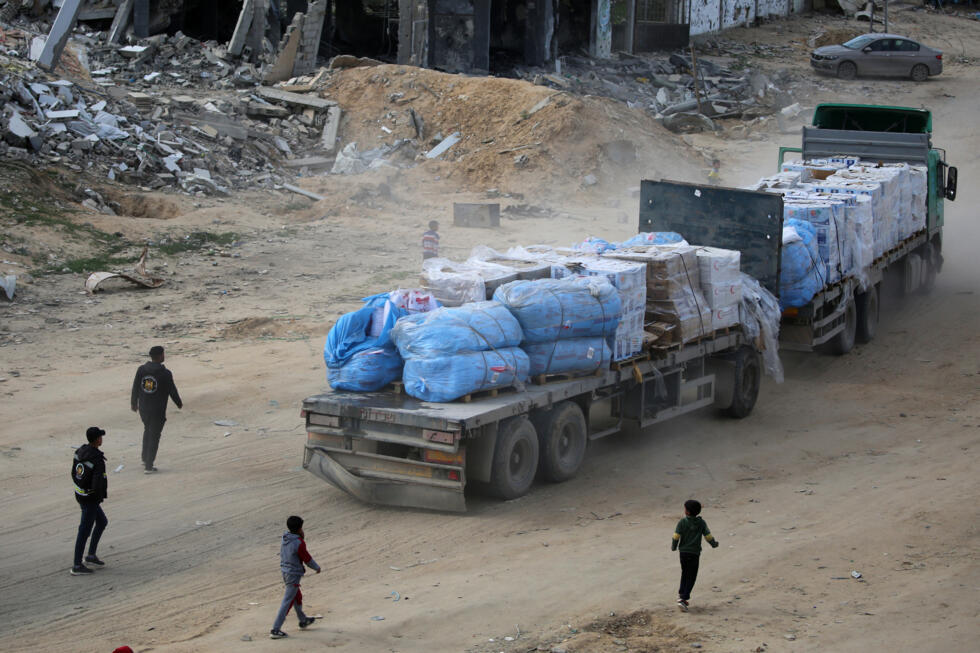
point(859, 42)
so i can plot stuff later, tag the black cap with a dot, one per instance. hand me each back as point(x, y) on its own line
point(94, 433)
point(156, 350)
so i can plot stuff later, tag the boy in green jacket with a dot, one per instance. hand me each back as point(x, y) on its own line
point(687, 538)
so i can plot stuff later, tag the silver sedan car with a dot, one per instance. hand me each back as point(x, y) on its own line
point(879, 54)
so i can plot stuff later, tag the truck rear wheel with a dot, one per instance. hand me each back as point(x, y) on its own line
point(868, 310)
point(562, 438)
point(843, 342)
point(748, 377)
point(515, 458)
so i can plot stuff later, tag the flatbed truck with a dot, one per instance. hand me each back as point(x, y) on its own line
point(388, 448)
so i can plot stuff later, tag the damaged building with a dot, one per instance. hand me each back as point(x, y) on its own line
point(478, 36)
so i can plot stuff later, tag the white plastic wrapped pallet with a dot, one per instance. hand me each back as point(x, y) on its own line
point(630, 280)
point(846, 182)
point(919, 184)
point(453, 284)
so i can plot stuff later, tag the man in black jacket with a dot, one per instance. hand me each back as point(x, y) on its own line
point(91, 488)
point(153, 385)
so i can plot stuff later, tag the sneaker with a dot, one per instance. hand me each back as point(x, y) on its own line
point(80, 570)
point(682, 604)
point(150, 470)
point(303, 623)
point(277, 634)
point(94, 560)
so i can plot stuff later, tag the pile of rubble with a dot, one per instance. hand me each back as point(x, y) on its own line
point(203, 125)
point(685, 92)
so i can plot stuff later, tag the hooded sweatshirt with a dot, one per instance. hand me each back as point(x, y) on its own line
point(88, 474)
point(293, 555)
point(153, 385)
point(687, 535)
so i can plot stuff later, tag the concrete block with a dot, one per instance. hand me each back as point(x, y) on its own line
point(476, 215)
point(121, 21)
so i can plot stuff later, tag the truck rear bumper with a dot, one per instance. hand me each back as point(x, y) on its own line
point(319, 462)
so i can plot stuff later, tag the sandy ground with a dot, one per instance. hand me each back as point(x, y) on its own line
point(862, 463)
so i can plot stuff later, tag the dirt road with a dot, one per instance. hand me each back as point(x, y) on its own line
point(863, 463)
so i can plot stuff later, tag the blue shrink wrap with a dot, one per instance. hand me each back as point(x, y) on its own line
point(559, 309)
point(441, 378)
point(568, 356)
point(476, 326)
point(802, 273)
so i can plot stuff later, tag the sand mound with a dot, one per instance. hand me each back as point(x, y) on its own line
point(514, 135)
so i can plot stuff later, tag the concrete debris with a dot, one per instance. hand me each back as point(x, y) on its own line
point(666, 85)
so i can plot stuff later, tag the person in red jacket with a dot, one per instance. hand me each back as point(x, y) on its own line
point(292, 558)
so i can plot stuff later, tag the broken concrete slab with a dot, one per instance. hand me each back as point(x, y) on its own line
point(294, 98)
point(59, 34)
point(304, 193)
point(266, 110)
point(120, 22)
point(237, 41)
point(18, 131)
point(309, 162)
point(328, 141)
point(282, 68)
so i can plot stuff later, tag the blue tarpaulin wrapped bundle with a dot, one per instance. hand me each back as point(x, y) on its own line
point(445, 377)
point(802, 273)
point(653, 238)
point(367, 370)
point(593, 245)
point(452, 352)
point(559, 309)
point(573, 355)
point(356, 360)
point(476, 326)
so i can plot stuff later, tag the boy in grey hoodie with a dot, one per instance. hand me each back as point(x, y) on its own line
point(292, 556)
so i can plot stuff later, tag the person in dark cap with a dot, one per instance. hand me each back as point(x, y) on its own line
point(91, 489)
point(153, 385)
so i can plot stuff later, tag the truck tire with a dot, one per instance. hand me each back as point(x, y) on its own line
point(747, 378)
point(515, 458)
point(868, 309)
point(562, 438)
point(847, 70)
point(843, 342)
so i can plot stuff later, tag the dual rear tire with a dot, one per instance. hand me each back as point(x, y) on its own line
point(549, 445)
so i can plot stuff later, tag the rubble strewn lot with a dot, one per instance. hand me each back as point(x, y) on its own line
point(799, 496)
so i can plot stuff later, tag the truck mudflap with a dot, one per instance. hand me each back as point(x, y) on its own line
point(410, 493)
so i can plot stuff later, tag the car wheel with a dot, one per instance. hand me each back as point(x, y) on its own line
point(847, 70)
point(920, 72)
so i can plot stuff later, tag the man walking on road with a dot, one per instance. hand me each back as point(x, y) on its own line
point(91, 488)
point(153, 385)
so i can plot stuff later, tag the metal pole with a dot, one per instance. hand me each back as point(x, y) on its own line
point(886, 17)
point(871, 23)
point(694, 70)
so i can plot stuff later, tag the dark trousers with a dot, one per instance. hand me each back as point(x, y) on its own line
point(689, 574)
point(152, 430)
point(92, 515)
